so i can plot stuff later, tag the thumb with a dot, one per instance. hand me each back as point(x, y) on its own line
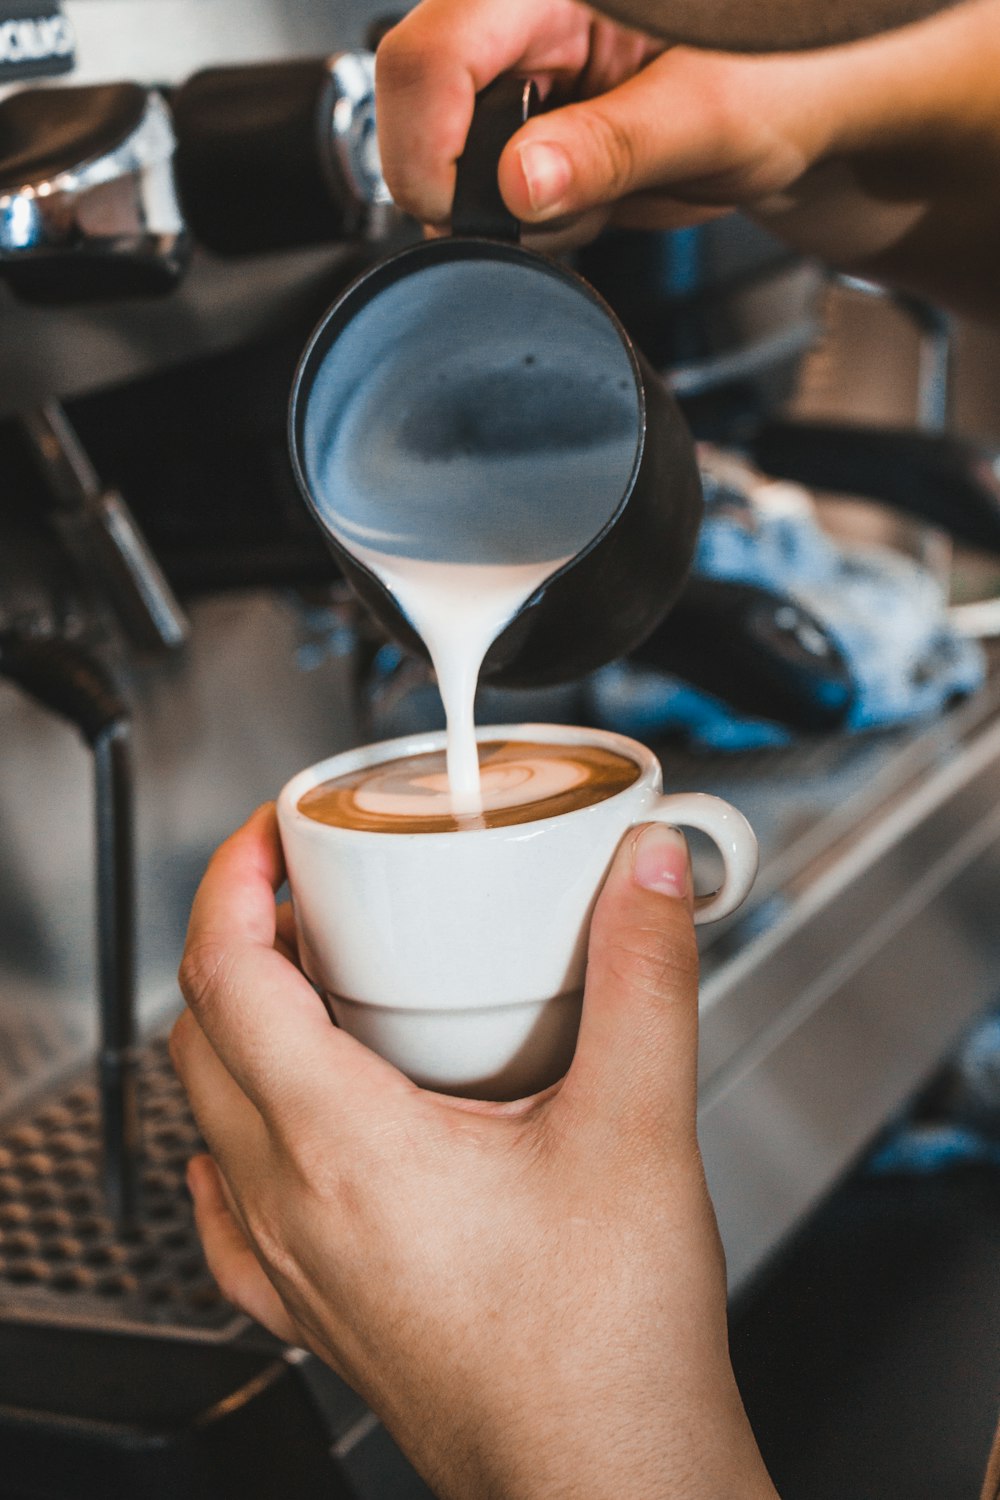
point(651, 130)
point(708, 129)
point(637, 1051)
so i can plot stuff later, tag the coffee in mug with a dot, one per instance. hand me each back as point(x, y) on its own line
point(521, 781)
point(456, 948)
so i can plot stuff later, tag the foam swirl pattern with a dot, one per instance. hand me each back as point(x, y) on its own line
point(522, 782)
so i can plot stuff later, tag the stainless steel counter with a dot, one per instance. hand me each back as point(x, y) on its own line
point(870, 945)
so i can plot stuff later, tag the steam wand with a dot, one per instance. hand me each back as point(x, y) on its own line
point(72, 683)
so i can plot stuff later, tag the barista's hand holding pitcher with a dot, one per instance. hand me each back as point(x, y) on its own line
point(881, 157)
point(510, 1286)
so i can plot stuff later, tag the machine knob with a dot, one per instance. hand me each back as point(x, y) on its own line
point(87, 200)
point(280, 155)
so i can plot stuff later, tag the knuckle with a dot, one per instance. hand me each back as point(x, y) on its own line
point(309, 1159)
point(202, 971)
point(226, 1277)
point(418, 165)
point(401, 60)
point(613, 149)
point(325, 1179)
point(351, 1187)
point(643, 960)
point(406, 65)
point(722, 112)
point(269, 1235)
point(178, 1041)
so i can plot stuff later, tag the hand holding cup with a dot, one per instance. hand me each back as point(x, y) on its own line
point(460, 955)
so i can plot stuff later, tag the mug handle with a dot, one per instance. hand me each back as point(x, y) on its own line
point(733, 837)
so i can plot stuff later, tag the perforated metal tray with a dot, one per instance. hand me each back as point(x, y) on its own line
point(61, 1257)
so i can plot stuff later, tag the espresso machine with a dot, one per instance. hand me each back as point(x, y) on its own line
point(184, 190)
point(185, 185)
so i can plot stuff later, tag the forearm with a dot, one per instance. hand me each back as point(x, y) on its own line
point(907, 188)
point(767, 24)
point(946, 249)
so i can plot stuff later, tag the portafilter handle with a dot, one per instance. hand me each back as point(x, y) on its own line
point(88, 206)
point(99, 185)
point(272, 156)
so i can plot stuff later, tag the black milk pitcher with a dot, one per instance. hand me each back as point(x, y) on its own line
point(471, 401)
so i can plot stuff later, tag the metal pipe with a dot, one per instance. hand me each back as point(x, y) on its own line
point(117, 1060)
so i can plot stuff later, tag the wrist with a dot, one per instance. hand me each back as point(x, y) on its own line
point(625, 1444)
point(920, 106)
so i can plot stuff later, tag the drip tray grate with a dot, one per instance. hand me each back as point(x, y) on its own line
point(62, 1259)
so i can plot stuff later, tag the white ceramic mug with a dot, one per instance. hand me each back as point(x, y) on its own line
point(460, 957)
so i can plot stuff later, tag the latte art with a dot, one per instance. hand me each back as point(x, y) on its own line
point(521, 782)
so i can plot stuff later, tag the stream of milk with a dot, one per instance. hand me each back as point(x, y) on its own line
point(458, 610)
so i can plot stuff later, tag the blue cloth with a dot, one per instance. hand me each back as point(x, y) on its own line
point(968, 1127)
point(641, 702)
point(921, 1150)
point(884, 612)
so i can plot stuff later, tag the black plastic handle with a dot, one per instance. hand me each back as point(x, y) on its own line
point(44, 132)
point(479, 210)
point(254, 167)
point(758, 651)
point(949, 481)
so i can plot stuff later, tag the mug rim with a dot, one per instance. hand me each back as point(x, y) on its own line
point(345, 761)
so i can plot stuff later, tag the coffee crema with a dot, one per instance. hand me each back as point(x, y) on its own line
point(522, 782)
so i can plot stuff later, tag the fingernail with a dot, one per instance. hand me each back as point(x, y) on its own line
point(547, 172)
point(660, 861)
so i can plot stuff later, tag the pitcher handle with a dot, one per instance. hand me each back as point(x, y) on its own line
point(478, 209)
